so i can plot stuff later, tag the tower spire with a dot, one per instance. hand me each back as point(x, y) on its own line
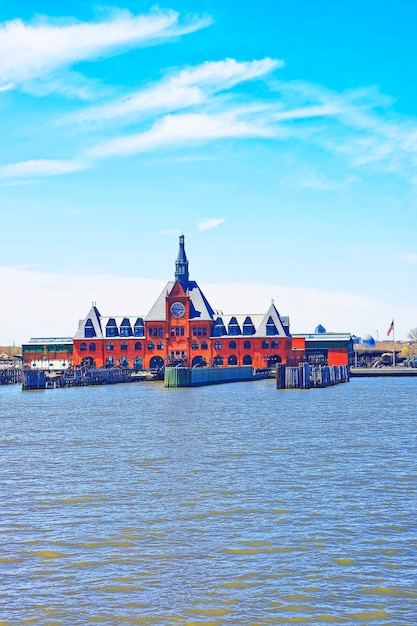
point(181, 265)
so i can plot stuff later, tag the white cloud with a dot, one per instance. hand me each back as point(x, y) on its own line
point(59, 301)
point(210, 222)
point(40, 167)
point(179, 129)
point(35, 50)
point(189, 87)
point(6, 87)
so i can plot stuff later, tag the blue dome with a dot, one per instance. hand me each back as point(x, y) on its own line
point(320, 330)
point(365, 340)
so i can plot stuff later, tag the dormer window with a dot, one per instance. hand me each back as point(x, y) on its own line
point(111, 328)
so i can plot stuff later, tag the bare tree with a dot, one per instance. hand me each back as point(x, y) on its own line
point(412, 335)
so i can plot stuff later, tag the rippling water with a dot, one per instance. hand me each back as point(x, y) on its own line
point(233, 504)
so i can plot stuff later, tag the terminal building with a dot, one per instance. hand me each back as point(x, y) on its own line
point(183, 328)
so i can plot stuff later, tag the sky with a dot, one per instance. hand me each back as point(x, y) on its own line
point(279, 137)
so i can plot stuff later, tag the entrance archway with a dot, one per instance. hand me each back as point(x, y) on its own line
point(247, 359)
point(156, 363)
point(232, 360)
point(273, 359)
point(88, 361)
point(218, 360)
point(198, 361)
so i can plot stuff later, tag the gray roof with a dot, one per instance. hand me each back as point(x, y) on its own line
point(259, 321)
point(200, 307)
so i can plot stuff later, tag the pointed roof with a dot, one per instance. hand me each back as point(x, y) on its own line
point(181, 265)
point(271, 319)
point(92, 320)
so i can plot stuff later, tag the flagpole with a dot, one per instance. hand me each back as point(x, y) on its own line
point(393, 343)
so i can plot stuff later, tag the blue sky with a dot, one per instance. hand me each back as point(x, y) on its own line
point(280, 138)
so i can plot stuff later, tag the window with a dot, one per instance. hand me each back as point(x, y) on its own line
point(160, 332)
point(199, 331)
point(83, 346)
point(246, 344)
point(232, 360)
point(160, 345)
point(274, 343)
point(138, 346)
point(150, 332)
point(137, 363)
point(125, 328)
point(194, 345)
point(151, 345)
point(204, 332)
point(109, 361)
point(233, 327)
point(232, 345)
point(109, 346)
point(271, 329)
point(139, 328)
point(247, 360)
point(111, 328)
point(89, 331)
point(265, 344)
point(92, 346)
point(124, 362)
point(123, 345)
point(218, 360)
point(248, 327)
point(218, 345)
point(204, 345)
point(219, 328)
point(194, 332)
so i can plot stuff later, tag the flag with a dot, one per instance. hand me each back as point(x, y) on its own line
point(390, 329)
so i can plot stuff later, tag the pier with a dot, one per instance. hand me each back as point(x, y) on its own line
point(379, 372)
point(200, 376)
point(310, 376)
point(10, 375)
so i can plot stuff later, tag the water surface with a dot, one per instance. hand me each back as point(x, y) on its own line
point(231, 504)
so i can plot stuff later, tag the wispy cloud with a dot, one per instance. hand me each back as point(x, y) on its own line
point(210, 222)
point(6, 87)
point(189, 87)
point(180, 129)
point(37, 49)
point(40, 167)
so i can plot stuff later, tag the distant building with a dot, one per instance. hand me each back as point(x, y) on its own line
point(48, 353)
point(323, 348)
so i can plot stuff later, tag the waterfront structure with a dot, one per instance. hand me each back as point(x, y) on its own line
point(183, 328)
point(48, 353)
point(323, 348)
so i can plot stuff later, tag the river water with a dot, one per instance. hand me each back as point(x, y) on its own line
point(231, 504)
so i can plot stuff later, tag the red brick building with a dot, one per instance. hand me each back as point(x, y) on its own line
point(182, 327)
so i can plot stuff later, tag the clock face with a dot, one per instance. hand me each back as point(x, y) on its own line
point(177, 309)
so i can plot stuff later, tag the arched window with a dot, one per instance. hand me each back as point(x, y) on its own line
point(109, 346)
point(160, 345)
point(218, 360)
point(137, 363)
point(204, 345)
point(246, 344)
point(247, 359)
point(83, 346)
point(265, 344)
point(124, 361)
point(218, 345)
point(194, 345)
point(151, 345)
point(123, 345)
point(232, 345)
point(204, 332)
point(92, 346)
point(274, 343)
point(232, 360)
point(109, 361)
point(138, 346)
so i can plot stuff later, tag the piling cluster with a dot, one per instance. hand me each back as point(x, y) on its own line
point(306, 376)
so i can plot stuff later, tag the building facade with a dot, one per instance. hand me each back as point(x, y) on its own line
point(53, 354)
point(182, 328)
